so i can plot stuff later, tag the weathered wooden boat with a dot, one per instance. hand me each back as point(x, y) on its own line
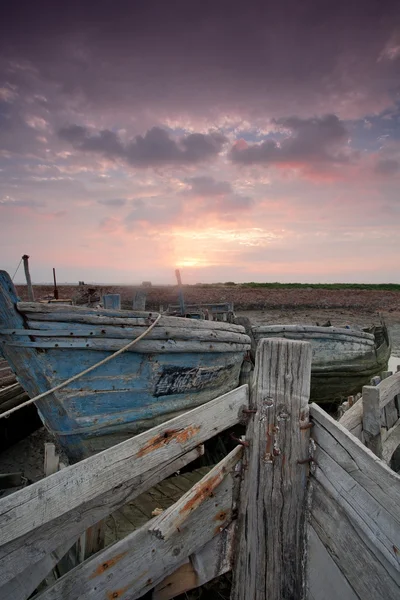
point(180, 364)
point(343, 359)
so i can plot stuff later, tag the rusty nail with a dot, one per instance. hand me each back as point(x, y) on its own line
point(307, 426)
point(250, 411)
point(243, 443)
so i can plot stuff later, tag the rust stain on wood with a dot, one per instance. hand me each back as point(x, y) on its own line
point(179, 435)
point(107, 564)
point(116, 593)
point(203, 491)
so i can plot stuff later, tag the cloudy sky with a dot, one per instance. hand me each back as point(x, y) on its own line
point(237, 140)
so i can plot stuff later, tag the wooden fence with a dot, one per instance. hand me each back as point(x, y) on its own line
point(299, 509)
point(375, 417)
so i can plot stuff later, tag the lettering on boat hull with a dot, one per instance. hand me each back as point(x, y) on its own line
point(178, 380)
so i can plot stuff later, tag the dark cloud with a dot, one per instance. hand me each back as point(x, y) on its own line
point(310, 140)
point(116, 202)
point(258, 58)
point(217, 196)
point(208, 186)
point(153, 148)
point(387, 166)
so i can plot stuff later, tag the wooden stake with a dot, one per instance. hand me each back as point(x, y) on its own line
point(270, 555)
point(31, 297)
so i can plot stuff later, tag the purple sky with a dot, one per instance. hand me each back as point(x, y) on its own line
point(239, 141)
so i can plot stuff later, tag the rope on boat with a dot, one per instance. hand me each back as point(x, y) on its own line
point(75, 377)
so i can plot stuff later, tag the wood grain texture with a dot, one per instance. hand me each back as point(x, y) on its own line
point(270, 554)
point(165, 525)
point(372, 419)
point(109, 574)
point(19, 554)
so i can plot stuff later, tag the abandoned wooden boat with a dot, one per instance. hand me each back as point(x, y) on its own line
point(343, 359)
point(180, 364)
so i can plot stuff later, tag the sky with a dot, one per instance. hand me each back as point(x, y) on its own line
point(234, 140)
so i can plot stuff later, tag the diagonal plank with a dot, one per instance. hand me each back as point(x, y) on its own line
point(39, 518)
point(109, 574)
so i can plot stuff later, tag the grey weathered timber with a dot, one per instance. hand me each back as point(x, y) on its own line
point(325, 580)
point(72, 500)
point(32, 547)
point(139, 300)
point(390, 410)
point(110, 574)
point(391, 442)
point(24, 584)
point(270, 553)
point(25, 258)
point(357, 561)
point(83, 314)
point(372, 419)
point(166, 524)
point(355, 509)
point(46, 329)
point(98, 474)
point(112, 301)
point(211, 561)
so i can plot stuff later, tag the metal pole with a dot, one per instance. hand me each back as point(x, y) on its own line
point(31, 297)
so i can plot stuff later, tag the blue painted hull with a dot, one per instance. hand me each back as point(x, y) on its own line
point(129, 394)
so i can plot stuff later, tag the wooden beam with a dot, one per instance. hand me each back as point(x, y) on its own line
point(129, 568)
point(112, 301)
point(31, 297)
point(166, 524)
point(213, 560)
point(372, 419)
point(270, 554)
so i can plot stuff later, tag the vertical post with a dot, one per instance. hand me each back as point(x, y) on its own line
point(270, 554)
point(180, 292)
point(139, 300)
point(372, 419)
point(31, 297)
point(55, 285)
point(112, 301)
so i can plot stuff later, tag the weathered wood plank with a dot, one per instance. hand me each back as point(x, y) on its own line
point(59, 330)
point(325, 580)
point(392, 440)
point(110, 572)
point(270, 558)
point(372, 419)
point(24, 584)
point(366, 468)
point(81, 495)
point(166, 524)
point(352, 419)
point(390, 410)
point(375, 523)
point(144, 346)
point(97, 474)
point(36, 544)
point(368, 578)
point(389, 388)
point(213, 560)
point(83, 314)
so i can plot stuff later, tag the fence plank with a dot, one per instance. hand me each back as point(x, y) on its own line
point(213, 560)
point(166, 524)
point(270, 561)
point(325, 580)
point(372, 419)
point(24, 584)
point(21, 553)
point(57, 495)
point(109, 574)
point(368, 578)
point(368, 470)
point(374, 522)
